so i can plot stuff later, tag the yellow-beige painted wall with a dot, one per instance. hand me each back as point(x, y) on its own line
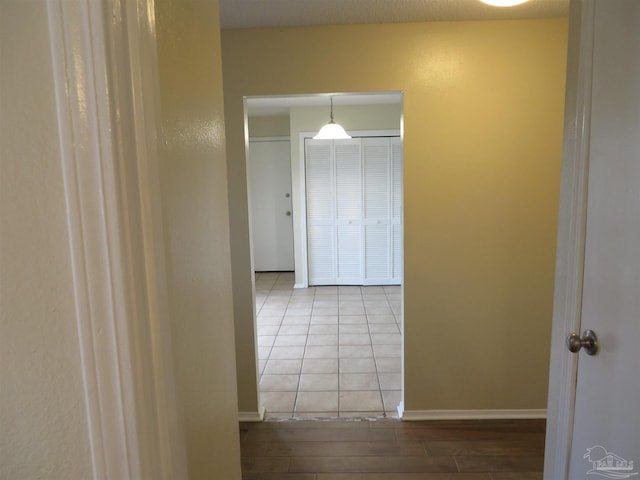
point(269, 126)
point(193, 184)
point(43, 419)
point(483, 111)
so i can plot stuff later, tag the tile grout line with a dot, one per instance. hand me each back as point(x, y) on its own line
point(375, 363)
point(304, 351)
point(295, 400)
point(338, 347)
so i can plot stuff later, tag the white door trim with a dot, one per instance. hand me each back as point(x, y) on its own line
point(301, 264)
point(571, 239)
point(106, 91)
point(269, 139)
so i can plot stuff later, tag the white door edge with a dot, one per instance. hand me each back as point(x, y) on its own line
point(104, 60)
point(571, 240)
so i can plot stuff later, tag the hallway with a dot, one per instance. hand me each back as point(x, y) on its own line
point(328, 351)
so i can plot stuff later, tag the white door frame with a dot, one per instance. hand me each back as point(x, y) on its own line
point(300, 204)
point(571, 240)
point(106, 89)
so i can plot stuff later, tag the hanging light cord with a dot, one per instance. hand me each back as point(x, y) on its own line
point(331, 112)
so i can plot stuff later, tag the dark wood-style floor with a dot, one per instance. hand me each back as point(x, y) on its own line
point(392, 450)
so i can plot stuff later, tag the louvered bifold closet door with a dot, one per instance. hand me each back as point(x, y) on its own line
point(376, 159)
point(354, 211)
point(348, 174)
point(320, 188)
point(396, 210)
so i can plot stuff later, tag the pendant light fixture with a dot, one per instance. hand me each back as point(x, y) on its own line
point(332, 130)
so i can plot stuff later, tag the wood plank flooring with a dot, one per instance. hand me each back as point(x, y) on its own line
point(388, 449)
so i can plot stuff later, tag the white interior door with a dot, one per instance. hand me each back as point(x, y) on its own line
point(376, 156)
point(604, 436)
point(271, 207)
point(320, 191)
point(607, 409)
point(348, 211)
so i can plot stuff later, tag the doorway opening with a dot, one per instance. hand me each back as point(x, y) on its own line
point(325, 349)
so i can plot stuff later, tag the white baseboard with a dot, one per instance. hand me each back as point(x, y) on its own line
point(252, 416)
point(300, 285)
point(415, 415)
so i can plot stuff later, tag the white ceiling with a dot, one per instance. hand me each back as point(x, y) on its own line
point(279, 105)
point(291, 13)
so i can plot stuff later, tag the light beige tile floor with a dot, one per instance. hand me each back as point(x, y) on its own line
point(328, 351)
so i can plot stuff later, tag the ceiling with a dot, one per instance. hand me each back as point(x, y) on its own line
point(279, 105)
point(296, 13)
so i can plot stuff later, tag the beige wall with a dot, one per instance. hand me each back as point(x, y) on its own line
point(269, 126)
point(483, 107)
point(43, 424)
point(196, 224)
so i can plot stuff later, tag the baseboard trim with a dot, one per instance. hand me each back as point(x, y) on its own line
point(252, 416)
point(415, 415)
point(300, 285)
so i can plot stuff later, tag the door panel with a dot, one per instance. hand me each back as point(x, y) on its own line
point(271, 208)
point(396, 210)
point(606, 417)
point(320, 217)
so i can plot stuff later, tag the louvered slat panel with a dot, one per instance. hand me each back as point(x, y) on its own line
point(349, 254)
point(348, 180)
point(376, 178)
point(319, 179)
point(348, 175)
point(377, 251)
point(396, 179)
point(321, 255)
point(376, 163)
point(320, 212)
point(396, 259)
point(396, 210)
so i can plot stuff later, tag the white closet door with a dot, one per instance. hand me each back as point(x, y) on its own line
point(354, 211)
point(348, 174)
point(396, 210)
point(320, 183)
point(377, 202)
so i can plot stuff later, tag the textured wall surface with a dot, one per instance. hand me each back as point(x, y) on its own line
point(43, 426)
point(193, 185)
point(483, 120)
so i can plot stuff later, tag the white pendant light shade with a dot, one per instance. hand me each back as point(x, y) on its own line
point(503, 3)
point(332, 130)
